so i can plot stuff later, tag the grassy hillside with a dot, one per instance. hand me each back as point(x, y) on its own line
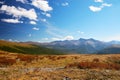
point(110, 50)
point(25, 48)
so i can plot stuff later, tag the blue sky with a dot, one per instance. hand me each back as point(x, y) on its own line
point(50, 20)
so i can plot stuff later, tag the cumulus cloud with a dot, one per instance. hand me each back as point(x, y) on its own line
point(95, 9)
point(42, 5)
point(32, 22)
point(35, 28)
point(48, 15)
point(19, 12)
point(1, 2)
point(22, 1)
point(98, 0)
point(69, 38)
point(11, 20)
point(65, 4)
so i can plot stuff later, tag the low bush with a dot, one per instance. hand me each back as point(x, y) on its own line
point(93, 65)
point(7, 61)
point(114, 60)
point(27, 58)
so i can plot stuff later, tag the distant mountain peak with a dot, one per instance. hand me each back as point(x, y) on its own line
point(82, 39)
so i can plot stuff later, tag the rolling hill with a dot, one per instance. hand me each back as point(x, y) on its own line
point(26, 48)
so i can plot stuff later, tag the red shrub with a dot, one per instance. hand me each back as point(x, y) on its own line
point(76, 65)
point(7, 61)
point(96, 60)
point(26, 58)
point(61, 57)
point(94, 65)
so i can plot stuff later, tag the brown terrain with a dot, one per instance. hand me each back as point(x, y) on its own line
point(14, 66)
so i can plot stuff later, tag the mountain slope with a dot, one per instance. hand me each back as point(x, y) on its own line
point(113, 49)
point(78, 46)
point(25, 48)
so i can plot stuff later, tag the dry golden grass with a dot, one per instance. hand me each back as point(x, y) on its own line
point(11, 44)
point(15, 66)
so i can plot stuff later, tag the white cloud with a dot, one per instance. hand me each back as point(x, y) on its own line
point(11, 20)
point(43, 20)
point(35, 28)
point(65, 4)
point(99, 1)
point(48, 15)
point(63, 38)
point(19, 12)
point(32, 22)
point(107, 5)
point(22, 1)
point(42, 5)
point(95, 9)
point(1, 2)
point(69, 38)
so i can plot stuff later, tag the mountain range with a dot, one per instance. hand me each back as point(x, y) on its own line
point(80, 46)
point(85, 46)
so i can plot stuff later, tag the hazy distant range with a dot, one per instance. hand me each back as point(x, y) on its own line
point(83, 46)
point(80, 46)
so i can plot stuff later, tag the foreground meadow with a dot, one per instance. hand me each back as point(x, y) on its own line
point(14, 66)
